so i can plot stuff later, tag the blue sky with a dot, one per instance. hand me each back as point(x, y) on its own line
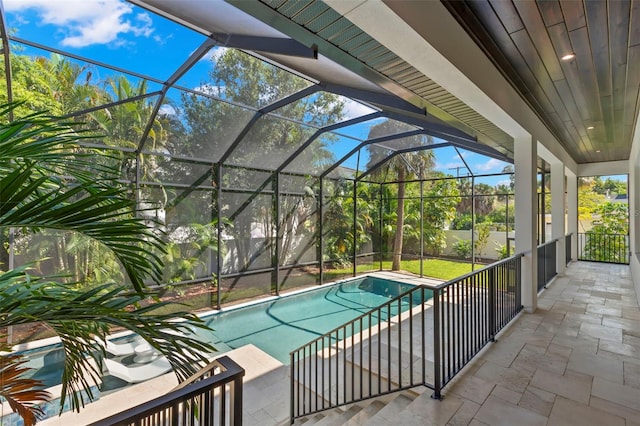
point(109, 31)
point(126, 36)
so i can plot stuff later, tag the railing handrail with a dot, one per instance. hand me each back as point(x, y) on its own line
point(547, 243)
point(201, 373)
point(604, 233)
point(231, 372)
point(477, 271)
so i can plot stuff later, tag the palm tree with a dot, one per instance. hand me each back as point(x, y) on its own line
point(46, 183)
point(481, 196)
point(402, 168)
point(66, 85)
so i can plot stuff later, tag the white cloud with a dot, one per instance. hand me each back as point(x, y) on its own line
point(492, 164)
point(214, 54)
point(354, 109)
point(88, 22)
point(167, 110)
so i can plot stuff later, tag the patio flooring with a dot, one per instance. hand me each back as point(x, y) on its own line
point(575, 361)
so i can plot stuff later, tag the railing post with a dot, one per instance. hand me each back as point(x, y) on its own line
point(492, 303)
point(236, 402)
point(437, 375)
point(518, 277)
point(292, 399)
point(175, 414)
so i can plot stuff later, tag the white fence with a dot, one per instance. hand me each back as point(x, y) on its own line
point(488, 252)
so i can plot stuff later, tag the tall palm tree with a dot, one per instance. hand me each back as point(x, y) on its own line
point(401, 168)
point(70, 84)
point(46, 183)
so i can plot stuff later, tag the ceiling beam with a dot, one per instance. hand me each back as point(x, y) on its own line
point(277, 45)
point(281, 23)
point(379, 99)
point(393, 154)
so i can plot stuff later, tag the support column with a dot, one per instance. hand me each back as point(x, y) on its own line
point(526, 206)
point(557, 214)
point(572, 213)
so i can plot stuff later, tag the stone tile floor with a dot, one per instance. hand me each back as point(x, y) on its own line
point(575, 361)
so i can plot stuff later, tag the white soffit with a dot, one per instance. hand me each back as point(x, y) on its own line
point(209, 16)
point(604, 168)
point(398, 36)
point(403, 40)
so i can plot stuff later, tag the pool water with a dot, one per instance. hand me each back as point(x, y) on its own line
point(277, 327)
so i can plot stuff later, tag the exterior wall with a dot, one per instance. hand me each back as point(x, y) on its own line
point(489, 252)
point(634, 208)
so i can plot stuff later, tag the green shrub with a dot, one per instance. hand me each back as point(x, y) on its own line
point(462, 248)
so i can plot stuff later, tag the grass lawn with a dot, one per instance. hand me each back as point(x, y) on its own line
point(434, 268)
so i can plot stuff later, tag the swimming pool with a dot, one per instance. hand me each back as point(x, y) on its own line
point(276, 326)
point(280, 326)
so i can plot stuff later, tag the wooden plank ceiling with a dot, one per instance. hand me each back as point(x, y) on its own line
point(590, 101)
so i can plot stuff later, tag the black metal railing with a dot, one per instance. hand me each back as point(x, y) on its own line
point(608, 248)
point(211, 397)
point(546, 263)
point(424, 336)
point(470, 311)
point(567, 248)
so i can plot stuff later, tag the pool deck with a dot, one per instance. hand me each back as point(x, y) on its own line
point(409, 279)
point(256, 363)
point(575, 361)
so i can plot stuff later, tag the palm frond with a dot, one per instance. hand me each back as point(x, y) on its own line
point(78, 316)
point(46, 183)
point(22, 393)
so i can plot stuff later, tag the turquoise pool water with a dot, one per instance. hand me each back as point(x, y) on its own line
point(280, 326)
point(277, 326)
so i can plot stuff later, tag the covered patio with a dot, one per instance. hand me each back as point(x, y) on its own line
point(283, 144)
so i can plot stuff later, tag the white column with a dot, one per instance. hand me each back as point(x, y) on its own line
point(525, 159)
point(557, 214)
point(572, 213)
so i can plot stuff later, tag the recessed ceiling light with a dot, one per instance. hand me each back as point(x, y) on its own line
point(590, 128)
point(568, 56)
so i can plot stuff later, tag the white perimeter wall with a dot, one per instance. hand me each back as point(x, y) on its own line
point(489, 252)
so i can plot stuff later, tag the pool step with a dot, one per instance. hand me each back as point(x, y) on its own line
point(377, 411)
point(390, 412)
point(339, 417)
